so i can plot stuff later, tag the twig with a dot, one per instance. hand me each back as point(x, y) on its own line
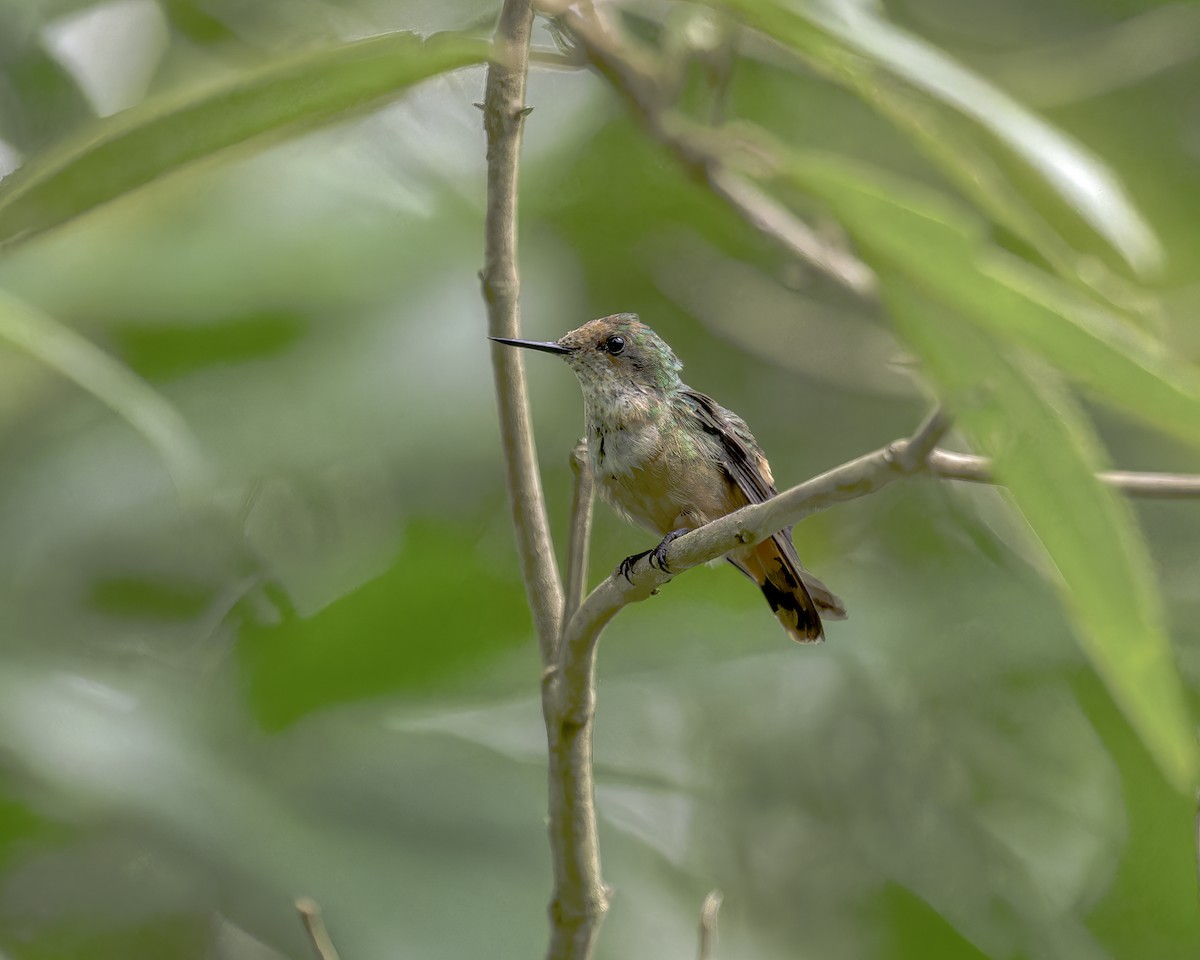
point(580, 895)
point(580, 898)
point(504, 112)
point(708, 925)
point(569, 706)
point(556, 60)
point(918, 448)
point(636, 78)
point(580, 531)
point(568, 631)
point(776, 222)
point(749, 525)
point(314, 926)
point(755, 523)
point(1147, 486)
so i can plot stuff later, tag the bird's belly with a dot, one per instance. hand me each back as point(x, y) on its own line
point(665, 492)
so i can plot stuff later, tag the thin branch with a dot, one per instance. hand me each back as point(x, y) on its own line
point(580, 898)
point(636, 78)
point(580, 894)
point(314, 926)
point(556, 60)
point(708, 925)
point(569, 706)
point(580, 530)
point(749, 525)
point(916, 452)
point(753, 524)
point(504, 112)
point(1147, 486)
point(778, 223)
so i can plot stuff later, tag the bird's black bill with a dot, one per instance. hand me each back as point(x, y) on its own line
point(533, 345)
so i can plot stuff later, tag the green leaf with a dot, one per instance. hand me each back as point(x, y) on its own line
point(972, 313)
point(1046, 455)
point(146, 410)
point(852, 43)
point(942, 248)
point(413, 628)
point(133, 148)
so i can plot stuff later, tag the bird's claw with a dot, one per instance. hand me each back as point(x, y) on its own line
point(625, 567)
point(658, 556)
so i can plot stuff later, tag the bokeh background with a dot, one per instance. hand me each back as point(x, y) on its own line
point(318, 677)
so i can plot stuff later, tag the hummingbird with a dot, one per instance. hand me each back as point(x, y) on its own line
point(670, 459)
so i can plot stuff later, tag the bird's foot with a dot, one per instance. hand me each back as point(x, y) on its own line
point(658, 555)
point(625, 567)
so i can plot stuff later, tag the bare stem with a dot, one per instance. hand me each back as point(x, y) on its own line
point(708, 925)
point(778, 223)
point(504, 113)
point(580, 895)
point(852, 480)
point(314, 926)
point(1147, 486)
point(568, 629)
point(580, 899)
point(920, 445)
point(637, 78)
point(580, 531)
point(569, 705)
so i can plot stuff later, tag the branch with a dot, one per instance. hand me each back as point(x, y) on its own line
point(504, 112)
point(314, 926)
point(580, 897)
point(749, 525)
point(777, 223)
point(914, 455)
point(581, 529)
point(754, 523)
point(636, 78)
point(708, 925)
point(1149, 486)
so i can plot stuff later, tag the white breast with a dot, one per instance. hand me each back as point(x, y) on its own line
point(622, 435)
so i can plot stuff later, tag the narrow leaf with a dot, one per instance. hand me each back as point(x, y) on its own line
point(1046, 455)
point(130, 149)
point(115, 385)
point(854, 44)
point(943, 249)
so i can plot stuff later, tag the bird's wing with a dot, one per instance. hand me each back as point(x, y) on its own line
point(746, 465)
point(742, 457)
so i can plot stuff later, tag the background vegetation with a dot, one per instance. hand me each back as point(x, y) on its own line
point(263, 629)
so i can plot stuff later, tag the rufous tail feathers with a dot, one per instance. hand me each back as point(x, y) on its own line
point(797, 598)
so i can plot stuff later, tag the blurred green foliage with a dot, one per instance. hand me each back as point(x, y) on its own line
point(313, 673)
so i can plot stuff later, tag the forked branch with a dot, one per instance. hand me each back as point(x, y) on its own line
point(504, 113)
point(580, 898)
point(753, 524)
point(314, 926)
point(568, 629)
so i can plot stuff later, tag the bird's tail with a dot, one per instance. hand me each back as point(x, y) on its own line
point(795, 595)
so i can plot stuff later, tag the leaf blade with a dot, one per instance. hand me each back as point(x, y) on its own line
point(943, 249)
point(133, 148)
point(1046, 455)
point(115, 385)
point(851, 43)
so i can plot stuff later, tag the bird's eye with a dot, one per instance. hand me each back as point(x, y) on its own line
point(614, 345)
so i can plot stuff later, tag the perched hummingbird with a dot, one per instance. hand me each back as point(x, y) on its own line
point(671, 459)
